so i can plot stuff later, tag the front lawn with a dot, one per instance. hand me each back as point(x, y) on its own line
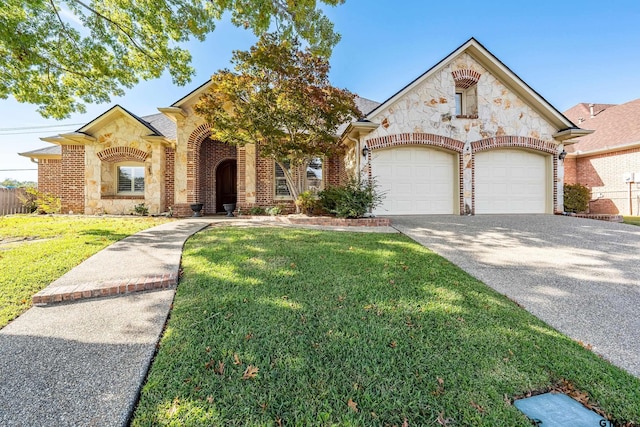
point(277, 326)
point(36, 250)
point(633, 220)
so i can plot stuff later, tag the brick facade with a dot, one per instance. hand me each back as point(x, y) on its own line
point(212, 153)
point(169, 177)
point(604, 174)
point(72, 185)
point(49, 172)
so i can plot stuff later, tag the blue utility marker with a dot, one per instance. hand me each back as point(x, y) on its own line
point(559, 410)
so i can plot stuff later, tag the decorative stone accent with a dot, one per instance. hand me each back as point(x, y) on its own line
point(415, 139)
point(464, 79)
point(122, 154)
point(514, 142)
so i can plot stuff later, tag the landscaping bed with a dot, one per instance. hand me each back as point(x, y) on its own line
point(280, 326)
point(328, 221)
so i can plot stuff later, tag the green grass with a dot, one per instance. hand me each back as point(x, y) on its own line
point(331, 318)
point(36, 250)
point(633, 220)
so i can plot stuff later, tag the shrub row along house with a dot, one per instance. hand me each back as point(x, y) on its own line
point(466, 137)
point(608, 161)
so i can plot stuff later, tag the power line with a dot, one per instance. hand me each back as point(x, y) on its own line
point(62, 125)
point(23, 133)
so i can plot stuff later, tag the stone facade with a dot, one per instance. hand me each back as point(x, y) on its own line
point(467, 104)
point(495, 117)
point(121, 142)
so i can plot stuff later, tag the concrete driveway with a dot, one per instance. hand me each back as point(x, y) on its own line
point(580, 276)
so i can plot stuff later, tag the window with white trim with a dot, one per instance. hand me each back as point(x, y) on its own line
point(130, 179)
point(459, 103)
point(467, 101)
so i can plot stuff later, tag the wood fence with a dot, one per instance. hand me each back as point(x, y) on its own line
point(10, 201)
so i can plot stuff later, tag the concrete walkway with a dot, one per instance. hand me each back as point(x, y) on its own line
point(581, 276)
point(78, 360)
point(82, 364)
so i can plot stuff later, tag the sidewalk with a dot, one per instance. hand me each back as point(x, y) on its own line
point(84, 363)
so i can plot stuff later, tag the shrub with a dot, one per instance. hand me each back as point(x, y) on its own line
point(307, 201)
point(328, 198)
point(141, 209)
point(257, 210)
point(576, 198)
point(274, 211)
point(352, 200)
point(43, 203)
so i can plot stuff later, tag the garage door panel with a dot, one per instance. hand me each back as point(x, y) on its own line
point(510, 181)
point(415, 180)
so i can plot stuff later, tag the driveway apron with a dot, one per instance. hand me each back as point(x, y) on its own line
point(580, 276)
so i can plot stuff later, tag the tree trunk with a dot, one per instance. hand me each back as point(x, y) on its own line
point(295, 178)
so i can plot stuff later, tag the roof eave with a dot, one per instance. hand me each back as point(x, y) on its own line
point(173, 112)
point(566, 135)
point(41, 156)
point(192, 95)
point(160, 139)
point(358, 129)
point(605, 150)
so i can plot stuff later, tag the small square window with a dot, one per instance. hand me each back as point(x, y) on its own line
point(131, 179)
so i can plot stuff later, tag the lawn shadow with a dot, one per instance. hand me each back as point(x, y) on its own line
point(375, 320)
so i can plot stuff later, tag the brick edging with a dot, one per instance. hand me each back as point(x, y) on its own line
point(60, 294)
point(336, 222)
point(600, 217)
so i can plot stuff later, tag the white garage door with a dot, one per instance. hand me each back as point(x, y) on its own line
point(415, 180)
point(511, 181)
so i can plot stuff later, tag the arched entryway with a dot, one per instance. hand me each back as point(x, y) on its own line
point(226, 183)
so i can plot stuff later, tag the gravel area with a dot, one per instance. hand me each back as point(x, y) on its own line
point(580, 276)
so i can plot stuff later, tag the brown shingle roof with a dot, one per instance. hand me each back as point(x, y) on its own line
point(614, 125)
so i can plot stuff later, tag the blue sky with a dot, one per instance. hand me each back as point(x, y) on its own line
point(568, 51)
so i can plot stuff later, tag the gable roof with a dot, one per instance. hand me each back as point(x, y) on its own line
point(192, 95)
point(109, 114)
point(614, 125)
point(500, 71)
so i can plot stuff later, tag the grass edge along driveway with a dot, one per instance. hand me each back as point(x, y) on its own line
point(35, 250)
point(276, 326)
point(632, 220)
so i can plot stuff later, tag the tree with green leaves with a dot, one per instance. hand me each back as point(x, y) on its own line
point(61, 54)
point(280, 99)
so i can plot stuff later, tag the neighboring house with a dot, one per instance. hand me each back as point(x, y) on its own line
point(468, 136)
point(608, 161)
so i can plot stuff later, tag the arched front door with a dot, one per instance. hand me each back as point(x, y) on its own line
point(226, 184)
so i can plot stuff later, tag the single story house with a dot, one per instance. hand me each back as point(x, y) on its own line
point(608, 161)
point(466, 137)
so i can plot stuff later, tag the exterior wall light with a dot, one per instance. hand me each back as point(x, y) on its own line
point(365, 151)
point(562, 155)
